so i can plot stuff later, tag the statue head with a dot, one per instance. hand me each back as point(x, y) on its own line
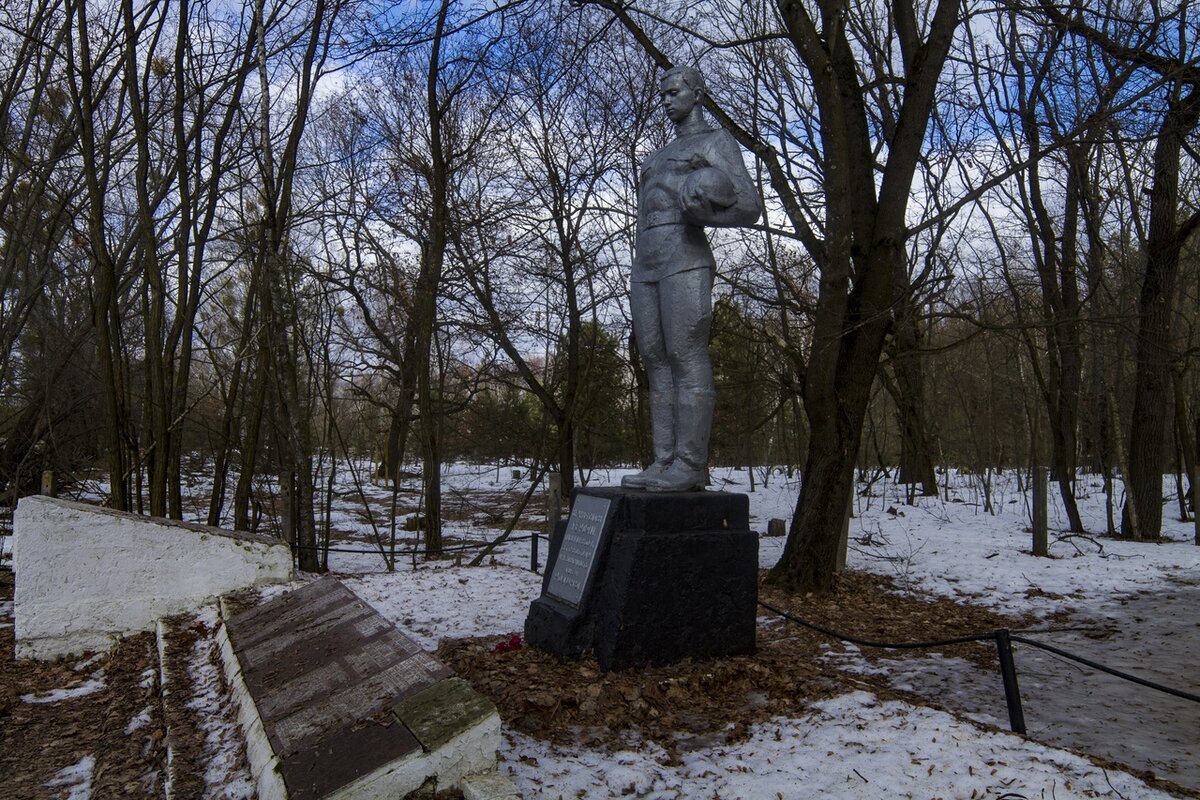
point(690, 75)
point(682, 90)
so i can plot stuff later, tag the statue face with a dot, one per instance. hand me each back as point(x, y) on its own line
point(678, 98)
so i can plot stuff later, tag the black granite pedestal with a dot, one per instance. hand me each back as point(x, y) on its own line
point(641, 578)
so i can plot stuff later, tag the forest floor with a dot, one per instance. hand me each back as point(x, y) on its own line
point(804, 716)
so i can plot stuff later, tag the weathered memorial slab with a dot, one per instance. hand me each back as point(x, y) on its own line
point(350, 706)
point(561, 620)
point(670, 576)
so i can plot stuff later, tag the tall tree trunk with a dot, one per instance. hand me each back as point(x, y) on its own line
point(156, 441)
point(233, 410)
point(1154, 351)
point(106, 284)
point(250, 438)
point(1185, 435)
point(433, 255)
point(1054, 245)
point(835, 412)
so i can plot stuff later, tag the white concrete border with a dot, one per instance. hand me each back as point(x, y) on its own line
point(86, 575)
point(165, 689)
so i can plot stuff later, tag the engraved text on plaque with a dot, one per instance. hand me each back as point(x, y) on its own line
point(577, 555)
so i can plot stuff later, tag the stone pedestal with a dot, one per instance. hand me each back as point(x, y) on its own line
point(642, 578)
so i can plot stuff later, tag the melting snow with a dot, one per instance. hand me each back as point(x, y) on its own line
point(73, 782)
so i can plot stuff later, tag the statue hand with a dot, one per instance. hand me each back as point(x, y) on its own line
point(693, 200)
point(705, 193)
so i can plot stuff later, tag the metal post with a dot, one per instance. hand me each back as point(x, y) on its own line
point(49, 489)
point(1008, 672)
point(1041, 541)
point(533, 553)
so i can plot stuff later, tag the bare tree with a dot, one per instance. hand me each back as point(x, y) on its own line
point(1156, 41)
point(547, 271)
point(874, 74)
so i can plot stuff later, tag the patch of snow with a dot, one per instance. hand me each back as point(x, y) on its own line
point(226, 777)
point(138, 722)
point(950, 546)
point(90, 686)
point(73, 782)
point(436, 603)
point(90, 661)
point(853, 747)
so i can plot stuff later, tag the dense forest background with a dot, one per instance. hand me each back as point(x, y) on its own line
point(265, 239)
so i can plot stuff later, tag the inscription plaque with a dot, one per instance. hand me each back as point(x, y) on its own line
point(577, 554)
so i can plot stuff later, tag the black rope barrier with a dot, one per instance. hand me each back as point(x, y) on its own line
point(979, 637)
point(1087, 662)
point(1008, 670)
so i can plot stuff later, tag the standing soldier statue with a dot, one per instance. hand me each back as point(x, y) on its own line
point(698, 179)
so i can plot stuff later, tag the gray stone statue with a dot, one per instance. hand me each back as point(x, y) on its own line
point(698, 179)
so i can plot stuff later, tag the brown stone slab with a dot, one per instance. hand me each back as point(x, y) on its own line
point(324, 668)
point(286, 612)
point(346, 756)
point(352, 702)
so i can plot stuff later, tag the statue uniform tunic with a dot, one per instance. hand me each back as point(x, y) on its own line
point(669, 239)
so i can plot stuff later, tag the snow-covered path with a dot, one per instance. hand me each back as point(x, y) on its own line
point(1154, 635)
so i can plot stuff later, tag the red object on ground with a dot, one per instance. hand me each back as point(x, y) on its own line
point(508, 645)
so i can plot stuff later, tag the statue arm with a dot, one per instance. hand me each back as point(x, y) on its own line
point(724, 155)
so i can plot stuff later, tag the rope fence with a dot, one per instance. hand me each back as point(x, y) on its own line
point(1008, 671)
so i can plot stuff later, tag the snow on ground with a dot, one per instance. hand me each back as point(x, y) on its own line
point(82, 689)
point(852, 746)
point(226, 777)
point(958, 550)
point(73, 782)
point(442, 603)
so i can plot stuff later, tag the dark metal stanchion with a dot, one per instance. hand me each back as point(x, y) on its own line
point(533, 552)
point(1012, 692)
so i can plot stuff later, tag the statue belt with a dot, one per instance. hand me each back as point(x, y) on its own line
point(656, 219)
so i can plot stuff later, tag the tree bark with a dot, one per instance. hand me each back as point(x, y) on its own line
point(1155, 352)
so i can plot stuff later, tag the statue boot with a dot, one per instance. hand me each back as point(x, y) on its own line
point(689, 468)
point(662, 432)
